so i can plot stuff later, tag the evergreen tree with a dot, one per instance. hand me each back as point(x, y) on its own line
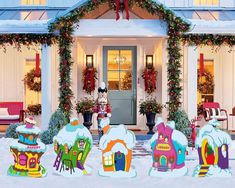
point(182, 124)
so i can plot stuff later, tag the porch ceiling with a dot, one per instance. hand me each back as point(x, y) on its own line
point(121, 28)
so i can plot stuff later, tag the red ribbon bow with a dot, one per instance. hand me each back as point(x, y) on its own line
point(126, 6)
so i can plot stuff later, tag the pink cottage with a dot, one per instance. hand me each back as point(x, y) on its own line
point(169, 147)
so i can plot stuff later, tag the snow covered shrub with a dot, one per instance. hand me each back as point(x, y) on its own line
point(11, 130)
point(57, 122)
point(182, 124)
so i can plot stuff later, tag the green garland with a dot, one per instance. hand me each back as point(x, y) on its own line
point(176, 27)
point(18, 40)
point(208, 40)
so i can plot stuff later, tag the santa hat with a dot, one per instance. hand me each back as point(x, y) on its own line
point(102, 88)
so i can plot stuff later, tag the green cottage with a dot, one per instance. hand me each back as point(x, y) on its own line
point(72, 146)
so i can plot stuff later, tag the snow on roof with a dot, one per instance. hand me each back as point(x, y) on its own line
point(24, 130)
point(23, 26)
point(177, 136)
point(212, 27)
point(119, 132)
point(116, 148)
point(215, 136)
point(69, 134)
point(22, 147)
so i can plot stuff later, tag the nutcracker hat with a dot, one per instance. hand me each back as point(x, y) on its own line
point(102, 88)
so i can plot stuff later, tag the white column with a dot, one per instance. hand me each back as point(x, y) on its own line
point(191, 72)
point(46, 86)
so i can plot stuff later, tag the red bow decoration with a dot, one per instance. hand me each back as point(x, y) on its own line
point(202, 66)
point(150, 80)
point(126, 7)
point(37, 64)
point(89, 77)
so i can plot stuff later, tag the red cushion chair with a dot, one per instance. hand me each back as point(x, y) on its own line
point(15, 112)
point(213, 110)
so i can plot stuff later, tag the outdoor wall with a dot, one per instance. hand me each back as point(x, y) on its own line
point(224, 78)
point(12, 72)
point(95, 46)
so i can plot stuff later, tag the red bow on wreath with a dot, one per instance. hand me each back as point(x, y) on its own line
point(150, 80)
point(89, 77)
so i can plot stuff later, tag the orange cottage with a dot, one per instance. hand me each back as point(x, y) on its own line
point(116, 145)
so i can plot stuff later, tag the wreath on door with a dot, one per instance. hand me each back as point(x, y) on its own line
point(205, 82)
point(33, 80)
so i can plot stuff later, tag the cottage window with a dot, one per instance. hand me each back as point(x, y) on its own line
point(66, 149)
point(206, 2)
point(166, 139)
point(81, 144)
point(33, 2)
point(108, 161)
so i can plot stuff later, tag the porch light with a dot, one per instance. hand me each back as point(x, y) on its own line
point(149, 61)
point(89, 61)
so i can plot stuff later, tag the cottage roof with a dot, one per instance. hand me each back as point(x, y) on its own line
point(69, 134)
point(119, 132)
point(214, 135)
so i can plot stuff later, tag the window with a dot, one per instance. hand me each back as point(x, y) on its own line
point(33, 2)
point(108, 161)
point(206, 2)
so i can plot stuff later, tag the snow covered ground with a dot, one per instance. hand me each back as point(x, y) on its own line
point(142, 165)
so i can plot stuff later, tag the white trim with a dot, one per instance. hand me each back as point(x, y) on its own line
point(121, 28)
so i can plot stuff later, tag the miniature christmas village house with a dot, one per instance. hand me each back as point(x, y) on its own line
point(27, 152)
point(212, 145)
point(168, 151)
point(72, 146)
point(116, 145)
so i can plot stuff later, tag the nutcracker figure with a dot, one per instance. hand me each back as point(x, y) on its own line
point(102, 107)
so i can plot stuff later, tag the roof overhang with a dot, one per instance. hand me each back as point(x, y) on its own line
point(121, 28)
point(25, 27)
point(212, 27)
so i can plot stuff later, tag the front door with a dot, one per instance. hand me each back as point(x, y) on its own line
point(120, 161)
point(120, 77)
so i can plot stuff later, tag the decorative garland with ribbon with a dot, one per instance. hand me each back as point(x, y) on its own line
point(89, 77)
point(150, 80)
point(176, 27)
point(33, 80)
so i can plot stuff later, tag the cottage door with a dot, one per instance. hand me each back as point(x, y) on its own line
point(120, 78)
point(120, 161)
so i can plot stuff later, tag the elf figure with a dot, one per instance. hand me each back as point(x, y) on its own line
point(102, 107)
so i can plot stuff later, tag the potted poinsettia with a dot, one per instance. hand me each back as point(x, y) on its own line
point(85, 106)
point(150, 107)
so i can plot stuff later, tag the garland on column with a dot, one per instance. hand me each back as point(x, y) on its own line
point(176, 27)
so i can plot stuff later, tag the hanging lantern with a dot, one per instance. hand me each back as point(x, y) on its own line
point(37, 64)
point(202, 66)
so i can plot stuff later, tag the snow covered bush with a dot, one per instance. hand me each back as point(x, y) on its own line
point(57, 122)
point(182, 124)
point(11, 130)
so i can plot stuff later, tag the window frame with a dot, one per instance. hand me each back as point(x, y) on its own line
point(108, 159)
point(199, 3)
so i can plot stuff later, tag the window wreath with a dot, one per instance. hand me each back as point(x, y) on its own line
point(33, 81)
point(205, 83)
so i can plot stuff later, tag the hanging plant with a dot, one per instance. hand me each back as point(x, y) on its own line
point(33, 81)
point(205, 83)
point(35, 109)
point(89, 77)
point(150, 80)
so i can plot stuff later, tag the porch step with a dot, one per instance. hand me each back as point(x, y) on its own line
point(34, 174)
point(162, 168)
point(203, 170)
